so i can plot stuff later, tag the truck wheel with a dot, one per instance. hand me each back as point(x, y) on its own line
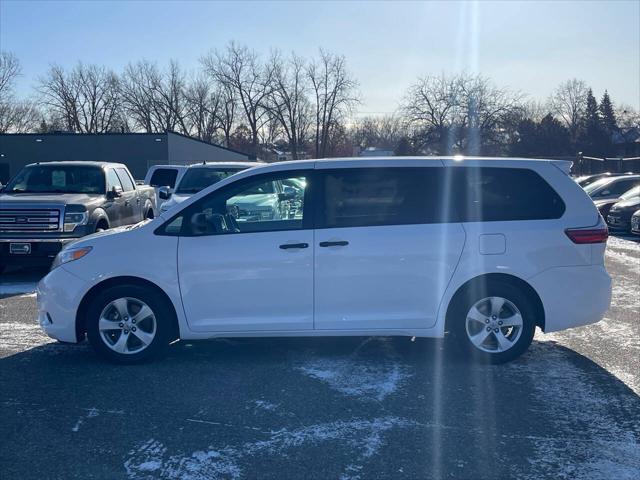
point(129, 324)
point(493, 324)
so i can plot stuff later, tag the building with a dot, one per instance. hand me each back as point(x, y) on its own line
point(376, 152)
point(136, 150)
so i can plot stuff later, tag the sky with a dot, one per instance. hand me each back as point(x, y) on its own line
point(528, 46)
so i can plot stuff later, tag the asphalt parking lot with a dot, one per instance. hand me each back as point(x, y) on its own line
point(347, 408)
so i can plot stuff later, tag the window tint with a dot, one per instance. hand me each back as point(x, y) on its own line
point(382, 196)
point(112, 179)
point(125, 179)
point(164, 177)
point(251, 205)
point(620, 187)
point(196, 179)
point(57, 179)
point(503, 194)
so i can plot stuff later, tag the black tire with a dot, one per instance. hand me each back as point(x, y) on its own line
point(163, 319)
point(457, 318)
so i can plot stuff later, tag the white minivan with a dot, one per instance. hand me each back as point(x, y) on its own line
point(484, 249)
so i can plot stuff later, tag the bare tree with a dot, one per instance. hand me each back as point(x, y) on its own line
point(460, 113)
point(86, 99)
point(288, 102)
point(383, 132)
point(432, 107)
point(154, 99)
point(18, 117)
point(485, 111)
point(333, 96)
point(227, 113)
point(240, 71)
point(569, 102)
point(203, 109)
point(628, 117)
point(9, 71)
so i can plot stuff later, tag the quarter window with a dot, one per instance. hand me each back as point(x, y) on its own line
point(503, 194)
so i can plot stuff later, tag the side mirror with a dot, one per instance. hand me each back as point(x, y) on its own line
point(164, 193)
point(115, 192)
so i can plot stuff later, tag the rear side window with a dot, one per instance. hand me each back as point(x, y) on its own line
point(381, 196)
point(164, 177)
point(503, 194)
point(622, 186)
point(127, 183)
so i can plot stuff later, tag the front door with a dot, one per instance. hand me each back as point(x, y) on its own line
point(132, 210)
point(242, 265)
point(384, 251)
point(116, 208)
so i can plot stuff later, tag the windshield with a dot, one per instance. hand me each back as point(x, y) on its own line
point(196, 179)
point(634, 192)
point(596, 185)
point(58, 179)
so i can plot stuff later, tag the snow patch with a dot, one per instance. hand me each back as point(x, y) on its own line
point(358, 376)
point(364, 436)
point(604, 449)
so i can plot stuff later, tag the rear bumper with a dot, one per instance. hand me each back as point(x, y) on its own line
point(573, 296)
point(59, 294)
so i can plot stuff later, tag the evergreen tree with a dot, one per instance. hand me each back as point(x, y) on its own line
point(608, 114)
point(552, 138)
point(593, 139)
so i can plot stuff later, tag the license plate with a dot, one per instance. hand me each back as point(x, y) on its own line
point(19, 248)
point(614, 219)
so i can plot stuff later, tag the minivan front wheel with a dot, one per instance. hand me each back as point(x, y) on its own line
point(495, 323)
point(128, 324)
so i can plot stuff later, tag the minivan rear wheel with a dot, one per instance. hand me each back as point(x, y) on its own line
point(493, 323)
point(128, 324)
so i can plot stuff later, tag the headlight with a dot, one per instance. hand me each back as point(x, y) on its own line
point(74, 216)
point(69, 255)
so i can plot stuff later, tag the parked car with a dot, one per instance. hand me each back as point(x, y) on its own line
point(585, 180)
point(412, 247)
point(604, 206)
point(167, 176)
point(47, 205)
point(198, 177)
point(608, 188)
point(619, 217)
point(635, 223)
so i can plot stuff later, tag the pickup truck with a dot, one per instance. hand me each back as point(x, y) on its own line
point(47, 205)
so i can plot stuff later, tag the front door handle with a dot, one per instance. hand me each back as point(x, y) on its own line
point(127, 203)
point(340, 243)
point(287, 246)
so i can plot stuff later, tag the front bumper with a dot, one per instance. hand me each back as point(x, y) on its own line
point(59, 295)
point(619, 220)
point(42, 251)
point(573, 296)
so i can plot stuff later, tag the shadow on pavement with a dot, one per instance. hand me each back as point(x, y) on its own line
point(315, 408)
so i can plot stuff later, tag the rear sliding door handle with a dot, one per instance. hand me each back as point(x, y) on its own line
point(286, 246)
point(340, 243)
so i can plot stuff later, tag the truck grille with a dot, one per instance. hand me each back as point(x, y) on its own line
point(29, 220)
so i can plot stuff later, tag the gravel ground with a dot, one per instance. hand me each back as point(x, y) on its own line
point(346, 408)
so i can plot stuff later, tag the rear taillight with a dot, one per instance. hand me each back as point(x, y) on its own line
point(588, 235)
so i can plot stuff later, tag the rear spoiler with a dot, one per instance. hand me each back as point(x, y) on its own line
point(563, 165)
